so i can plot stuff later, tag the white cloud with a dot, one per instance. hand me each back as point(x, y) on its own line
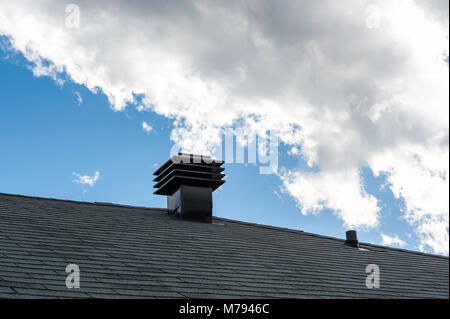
point(343, 94)
point(148, 128)
point(318, 191)
point(79, 97)
point(294, 151)
point(86, 180)
point(392, 241)
point(277, 194)
point(422, 181)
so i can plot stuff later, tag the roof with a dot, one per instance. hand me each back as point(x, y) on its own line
point(135, 252)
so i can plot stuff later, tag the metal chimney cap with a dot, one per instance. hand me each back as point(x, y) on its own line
point(188, 170)
point(188, 182)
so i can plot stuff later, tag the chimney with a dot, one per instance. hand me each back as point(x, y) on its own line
point(352, 239)
point(188, 182)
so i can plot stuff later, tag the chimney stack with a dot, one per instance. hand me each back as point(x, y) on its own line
point(352, 239)
point(188, 182)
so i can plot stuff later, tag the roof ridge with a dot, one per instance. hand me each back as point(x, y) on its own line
point(296, 231)
point(83, 202)
point(405, 250)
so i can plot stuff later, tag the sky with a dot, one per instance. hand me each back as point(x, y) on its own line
point(94, 96)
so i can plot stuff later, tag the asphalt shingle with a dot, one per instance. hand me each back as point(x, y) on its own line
point(135, 252)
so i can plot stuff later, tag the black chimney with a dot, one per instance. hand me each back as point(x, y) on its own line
point(188, 182)
point(352, 239)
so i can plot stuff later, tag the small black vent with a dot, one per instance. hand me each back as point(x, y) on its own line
point(188, 182)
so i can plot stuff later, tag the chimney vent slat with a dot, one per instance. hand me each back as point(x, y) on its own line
point(185, 167)
point(188, 174)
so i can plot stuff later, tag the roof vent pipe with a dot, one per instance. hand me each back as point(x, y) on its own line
point(188, 182)
point(352, 238)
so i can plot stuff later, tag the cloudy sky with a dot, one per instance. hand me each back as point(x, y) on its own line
point(94, 95)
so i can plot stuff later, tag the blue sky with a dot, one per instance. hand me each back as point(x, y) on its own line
point(47, 135)
point(357, 92)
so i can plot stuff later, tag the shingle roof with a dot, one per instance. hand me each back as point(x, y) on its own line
point(142, 252)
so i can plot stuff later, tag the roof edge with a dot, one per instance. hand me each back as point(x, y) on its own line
point(296, 231)
point(327, 237)
point(84, 202)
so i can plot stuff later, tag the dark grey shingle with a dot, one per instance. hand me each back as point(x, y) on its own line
point(132, 252)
